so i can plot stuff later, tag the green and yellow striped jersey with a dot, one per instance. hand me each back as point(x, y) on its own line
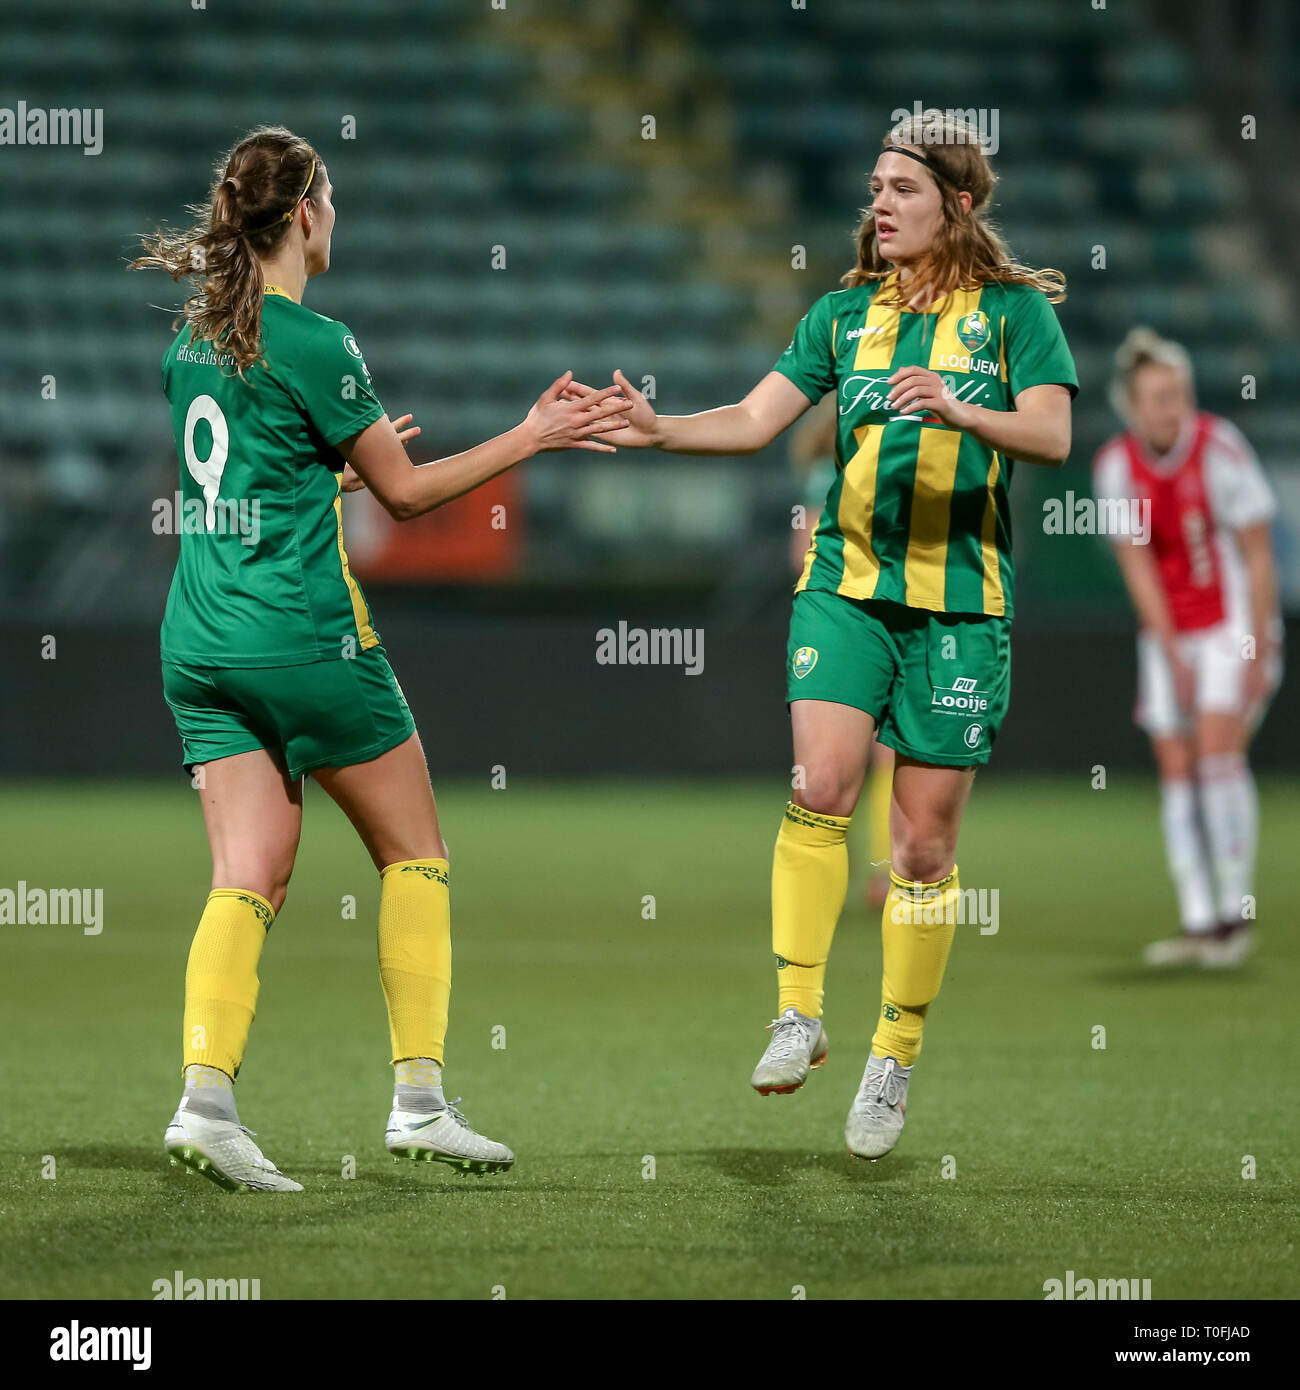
point(262, 578)
point(918, 513)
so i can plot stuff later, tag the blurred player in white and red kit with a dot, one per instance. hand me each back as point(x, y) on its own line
point(1192, 509)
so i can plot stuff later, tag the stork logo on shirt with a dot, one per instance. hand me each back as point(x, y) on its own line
point(804, 660)
point(973, 331)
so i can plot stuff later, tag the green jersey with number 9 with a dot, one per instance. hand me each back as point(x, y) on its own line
point(263, 578)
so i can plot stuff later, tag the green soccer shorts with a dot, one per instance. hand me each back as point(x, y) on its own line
point(323, 714)
point(937, 684)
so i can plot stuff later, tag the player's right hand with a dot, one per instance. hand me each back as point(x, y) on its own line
point(642, 423)
point(559, 421)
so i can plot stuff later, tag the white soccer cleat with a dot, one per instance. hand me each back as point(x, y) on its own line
point(1187, 949)
point(224, 1153)
point(1224, 953)
point(875, 1119)
point(444, 1137)
point(798, 1046)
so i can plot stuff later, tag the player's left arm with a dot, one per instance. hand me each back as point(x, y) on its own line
point(1041, 381)
point(1244, 506)
point(352, 481)
point(1255, 545)
point(1037, 430)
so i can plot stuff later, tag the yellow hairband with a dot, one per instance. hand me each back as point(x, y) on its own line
point(307, 188)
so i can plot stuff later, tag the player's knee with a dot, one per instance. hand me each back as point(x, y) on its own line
point(423, 847)
point(921, 858)
point(1177, 767)
point(266, 880)
point(827, 793)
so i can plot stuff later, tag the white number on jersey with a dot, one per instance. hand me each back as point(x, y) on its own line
point(207, 472)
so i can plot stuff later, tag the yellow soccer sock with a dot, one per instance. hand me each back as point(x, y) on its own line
point(917, 927)
point(221, 978)
point(415, 956)
point(880, 791)
point(810, 875)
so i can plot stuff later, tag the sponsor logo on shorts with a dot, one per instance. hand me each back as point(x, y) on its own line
point(804, 660)
point(973, 735)
point(961, 697)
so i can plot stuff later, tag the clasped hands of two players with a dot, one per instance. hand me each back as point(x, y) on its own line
point(568, 414)
point(565, 416)
point(911, 390)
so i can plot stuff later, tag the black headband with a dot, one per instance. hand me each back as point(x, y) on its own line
point(921, 159)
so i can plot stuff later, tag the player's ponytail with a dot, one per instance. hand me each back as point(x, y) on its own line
point(968, 250)
point(256, 189)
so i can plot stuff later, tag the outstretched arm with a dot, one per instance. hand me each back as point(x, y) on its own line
point(378, 454)
point(744, 428)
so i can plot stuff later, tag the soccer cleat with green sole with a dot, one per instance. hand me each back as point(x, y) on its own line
point(445, 1137)
point(224, 1153)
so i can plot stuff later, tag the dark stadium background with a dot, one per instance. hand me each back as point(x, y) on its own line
point(452, 128)
point(1076, 1113)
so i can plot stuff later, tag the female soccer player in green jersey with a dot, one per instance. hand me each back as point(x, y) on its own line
point(271, 664)
point(947, 363)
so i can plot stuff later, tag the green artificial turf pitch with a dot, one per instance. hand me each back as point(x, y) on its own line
point(629, 1043)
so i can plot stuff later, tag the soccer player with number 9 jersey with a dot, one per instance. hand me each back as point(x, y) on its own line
point(272, 665)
